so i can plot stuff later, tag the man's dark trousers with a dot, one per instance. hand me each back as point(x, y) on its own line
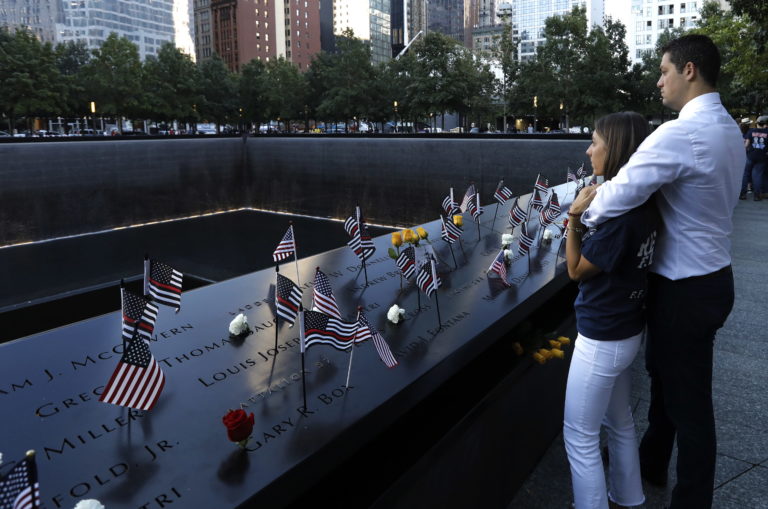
point(683, 317)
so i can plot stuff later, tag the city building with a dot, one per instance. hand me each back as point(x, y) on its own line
point(147, 23)
point(493, 19)
point(650, 18)
point(370, 20)
point(409, 17)
point(37, 16)
point(530, 15)
point(452, 18)
point(244, 30)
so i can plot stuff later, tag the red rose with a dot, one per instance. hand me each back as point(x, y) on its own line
point(239, 425)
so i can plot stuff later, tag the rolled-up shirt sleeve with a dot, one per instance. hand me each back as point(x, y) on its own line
point(660, 159)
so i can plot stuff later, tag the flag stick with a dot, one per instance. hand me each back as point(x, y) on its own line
point(437, 302)
point(31, 455)
point(477, 222)
point(122, 311)
point(477, 219)
point(352, 348)
point(461, 245)
point(146, 274)
point(360, 238)
point(302, 339)
point(530, 200)
point(494, 215)
point(295, 253)
point(418, 296)
point(456, 265)
point(277, 269)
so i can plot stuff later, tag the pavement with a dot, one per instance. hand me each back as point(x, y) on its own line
point(739, 381)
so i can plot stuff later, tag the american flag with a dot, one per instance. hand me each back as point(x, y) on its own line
point(287, 299)
point(516, 214)
point(526, 241)
point(474, 206)
point(450, 232)
point(286, 247)
point(499, 267)
point(406, 260)
point(323, 298)
point(536, 201)
point(137, 380)
point(361, 242)
point(165, 284)
point(468, 197)
point(579, 186)
point(502, 193)
point(449, 206)
point(553, 208)
point(581, 172)
point(542, 183)
point(365, 331)
point(321, 328)
point(19, 488)
point(427, 279)
point(570, 176)
point(139, 316)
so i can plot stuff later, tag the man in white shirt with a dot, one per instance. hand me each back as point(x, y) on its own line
point(693, 165)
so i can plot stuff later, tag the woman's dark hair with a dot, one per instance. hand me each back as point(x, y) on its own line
point(623, 132)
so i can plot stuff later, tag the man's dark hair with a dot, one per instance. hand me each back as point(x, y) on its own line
point(697, 49)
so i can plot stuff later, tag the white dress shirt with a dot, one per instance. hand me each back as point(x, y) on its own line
point(696, 163)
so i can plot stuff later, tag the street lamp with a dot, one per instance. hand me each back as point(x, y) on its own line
point(535, 111)
point(93, 115)
point(395, 105)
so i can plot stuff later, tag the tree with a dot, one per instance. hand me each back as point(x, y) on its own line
point(253, 89)
point(29, 79)
point(218, 92)
point(115, 77)
point(510, 68)
point(171, 84)
point(71, 60)
point(285, 90)
point(744, 79)
point(347, 76)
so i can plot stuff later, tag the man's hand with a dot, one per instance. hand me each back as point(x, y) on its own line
point(582, 201)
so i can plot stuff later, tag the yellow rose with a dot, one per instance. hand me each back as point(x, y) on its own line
point(558, 353)
point(458, 220)
point(517, 348)
point(539, 358)
point(397, 239)
point(410, 236)
point(564, 340)
point(422, 232)
point(554, 343)
point(545, 353)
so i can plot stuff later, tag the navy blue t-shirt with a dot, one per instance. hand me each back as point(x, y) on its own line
point(610, 305)
point(758, 143)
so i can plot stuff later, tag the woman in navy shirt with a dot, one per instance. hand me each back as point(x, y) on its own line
point(610, 263)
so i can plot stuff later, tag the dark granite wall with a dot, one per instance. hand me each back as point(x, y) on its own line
point(53, 189)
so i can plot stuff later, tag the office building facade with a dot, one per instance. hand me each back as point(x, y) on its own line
point(370, 20)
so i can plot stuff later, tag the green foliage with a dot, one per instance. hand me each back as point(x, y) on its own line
point(171, 86)
point(253, 86)
point(744, 74)
point(29, 78)
point(114, 78)
point(285, 90)
point(218, 89)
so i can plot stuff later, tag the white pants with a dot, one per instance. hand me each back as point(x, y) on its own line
point(599, 383)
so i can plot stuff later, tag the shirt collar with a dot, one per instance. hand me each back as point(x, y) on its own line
point(698, 103)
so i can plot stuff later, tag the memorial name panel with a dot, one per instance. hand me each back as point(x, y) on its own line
point(178, 452)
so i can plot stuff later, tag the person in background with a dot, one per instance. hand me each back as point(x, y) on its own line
point(610, 262)
point(755, 142)
point(694, 165)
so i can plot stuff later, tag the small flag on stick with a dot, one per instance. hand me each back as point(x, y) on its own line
point(286, 247)
point(406, 261)
point(502, 193)
point(287, 299)
point(165, 284)
point(19, 488)
point(365, 331)
point(323, 299)
point(499, 267)
point(516, 214)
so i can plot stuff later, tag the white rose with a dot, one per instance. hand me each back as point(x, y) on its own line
point(506, 239)
point(508, 255)
point(239, 325)
point(547, 235)
point(90, 503)
point(395, 313)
